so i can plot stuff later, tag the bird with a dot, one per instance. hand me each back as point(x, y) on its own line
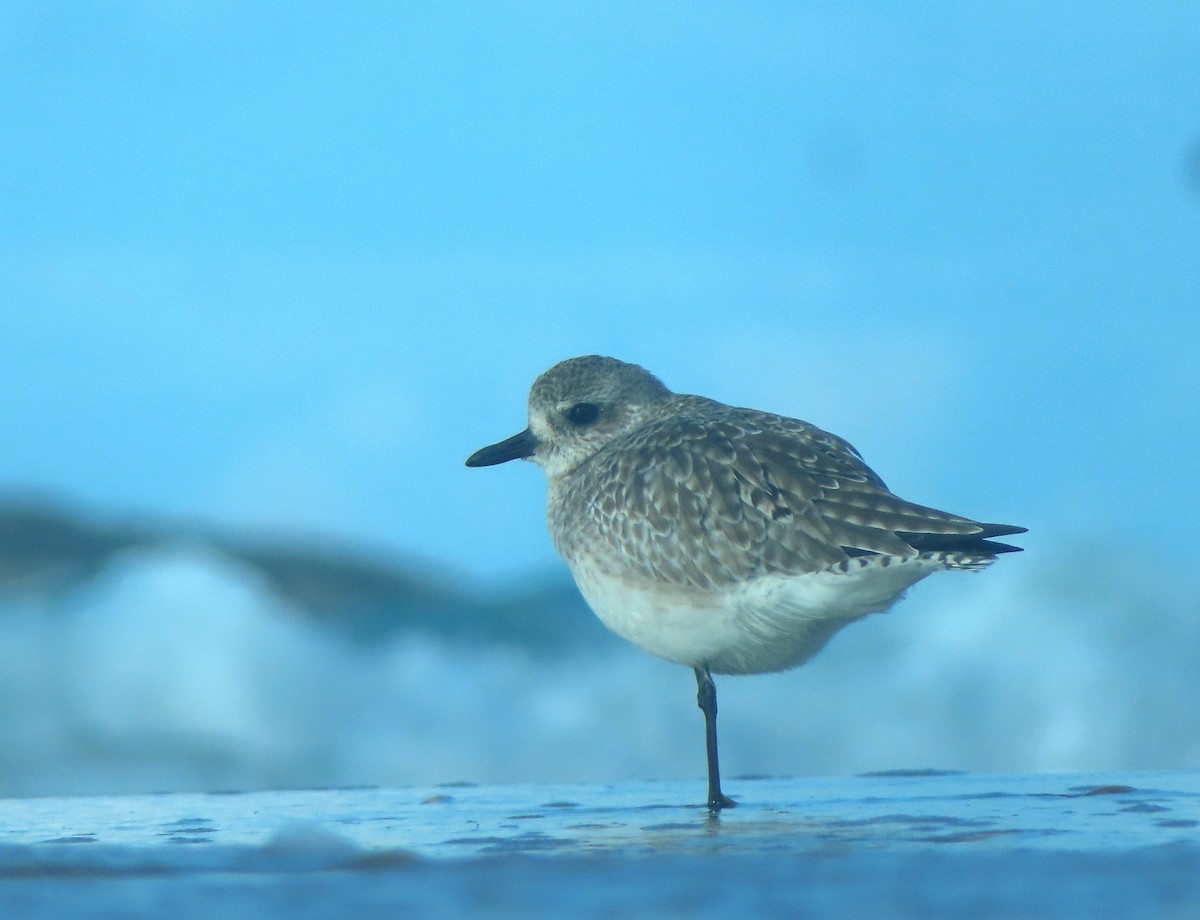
point(728, 540)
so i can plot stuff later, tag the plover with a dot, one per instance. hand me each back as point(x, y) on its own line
point(728, 540)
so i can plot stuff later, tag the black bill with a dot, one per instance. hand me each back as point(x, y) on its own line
point(517, 447)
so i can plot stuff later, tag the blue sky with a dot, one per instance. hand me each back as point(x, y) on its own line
point(286, 265)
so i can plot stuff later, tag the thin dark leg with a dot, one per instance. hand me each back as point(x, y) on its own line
point(706, 699)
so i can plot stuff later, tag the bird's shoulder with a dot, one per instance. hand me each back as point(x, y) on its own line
point(700, 438)
point(711, 494)
point(708, 495)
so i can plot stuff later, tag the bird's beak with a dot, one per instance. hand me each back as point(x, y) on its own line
point(519, 446)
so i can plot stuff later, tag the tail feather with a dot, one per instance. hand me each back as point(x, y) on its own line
point(976, 543)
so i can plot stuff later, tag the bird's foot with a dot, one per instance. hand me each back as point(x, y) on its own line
point(719, 801)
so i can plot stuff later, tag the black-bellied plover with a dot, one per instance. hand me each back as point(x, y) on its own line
point(729, 540)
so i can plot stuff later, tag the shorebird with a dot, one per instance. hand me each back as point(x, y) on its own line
point(728, 540)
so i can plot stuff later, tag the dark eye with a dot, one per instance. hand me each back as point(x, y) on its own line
point(583, 413)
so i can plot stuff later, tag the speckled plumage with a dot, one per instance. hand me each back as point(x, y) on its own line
point(705, 495)
point(688, 502)
point(726, 539)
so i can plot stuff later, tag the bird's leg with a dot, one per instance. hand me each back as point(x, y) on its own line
point(706, 699)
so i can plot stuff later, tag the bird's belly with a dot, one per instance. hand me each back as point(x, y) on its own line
point(764, 624)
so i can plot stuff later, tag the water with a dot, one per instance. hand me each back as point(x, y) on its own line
point(177, 667)
point(161, 716)
point(909, 845)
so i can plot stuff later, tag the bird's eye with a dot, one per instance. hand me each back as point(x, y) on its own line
point(583, 413)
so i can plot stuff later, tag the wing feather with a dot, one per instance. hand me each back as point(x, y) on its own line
point(708, 496)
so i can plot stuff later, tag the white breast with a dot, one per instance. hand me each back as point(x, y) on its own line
point(765, 624)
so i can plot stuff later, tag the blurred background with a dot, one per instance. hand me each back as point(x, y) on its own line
point(270, 272)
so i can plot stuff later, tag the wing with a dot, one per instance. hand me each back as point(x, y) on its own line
point(707, 498)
